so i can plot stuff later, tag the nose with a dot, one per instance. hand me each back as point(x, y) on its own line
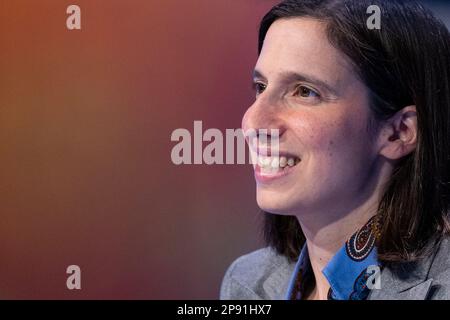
point(263, 117)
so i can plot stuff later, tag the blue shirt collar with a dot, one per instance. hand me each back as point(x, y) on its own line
point(346, 272)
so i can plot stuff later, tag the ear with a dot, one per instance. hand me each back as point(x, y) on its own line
point(398, 137)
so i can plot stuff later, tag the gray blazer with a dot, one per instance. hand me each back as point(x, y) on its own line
point(264, 274)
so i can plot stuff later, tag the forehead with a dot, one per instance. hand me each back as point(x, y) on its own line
point(301, 45)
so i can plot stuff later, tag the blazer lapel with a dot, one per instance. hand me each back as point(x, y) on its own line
point(276, 284)
point(416, 292)
point(408, 281)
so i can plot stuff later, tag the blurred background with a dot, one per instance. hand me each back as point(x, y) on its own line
point(86, 117)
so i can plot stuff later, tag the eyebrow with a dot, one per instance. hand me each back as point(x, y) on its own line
point(294, 76)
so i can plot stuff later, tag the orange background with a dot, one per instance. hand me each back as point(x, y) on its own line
point(85, 122)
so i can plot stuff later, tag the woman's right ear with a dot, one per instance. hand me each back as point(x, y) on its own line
point(398, 135)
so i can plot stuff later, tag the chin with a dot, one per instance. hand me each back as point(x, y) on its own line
point(276, 204)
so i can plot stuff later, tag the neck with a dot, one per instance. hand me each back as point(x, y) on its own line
point(325, 240)
point(327, 232)
point(324, 243)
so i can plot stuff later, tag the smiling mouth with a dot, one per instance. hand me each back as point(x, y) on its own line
point(268, 168)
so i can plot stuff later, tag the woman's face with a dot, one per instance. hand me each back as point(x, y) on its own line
point(308, 90)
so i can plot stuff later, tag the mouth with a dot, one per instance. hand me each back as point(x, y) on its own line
point(270, 168)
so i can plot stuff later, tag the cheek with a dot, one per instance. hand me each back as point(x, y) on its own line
point(319, 137)
point(333, 144)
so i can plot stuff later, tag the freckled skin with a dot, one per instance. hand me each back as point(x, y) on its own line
point(328, 134)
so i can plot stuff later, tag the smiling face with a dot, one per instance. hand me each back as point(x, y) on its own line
point(309, 91)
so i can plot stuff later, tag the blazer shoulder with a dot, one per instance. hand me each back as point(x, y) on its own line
point(261, 274)
point(440, 271)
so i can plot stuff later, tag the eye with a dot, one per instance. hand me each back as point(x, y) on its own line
point(259, 87)
point(306, 92)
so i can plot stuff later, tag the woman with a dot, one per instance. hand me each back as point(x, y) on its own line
point(361, 210)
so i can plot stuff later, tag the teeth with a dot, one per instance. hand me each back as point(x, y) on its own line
point(291, 162)
point(283, 162)
point(276, 162)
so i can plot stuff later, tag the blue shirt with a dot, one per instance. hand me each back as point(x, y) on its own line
point(346, 272)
